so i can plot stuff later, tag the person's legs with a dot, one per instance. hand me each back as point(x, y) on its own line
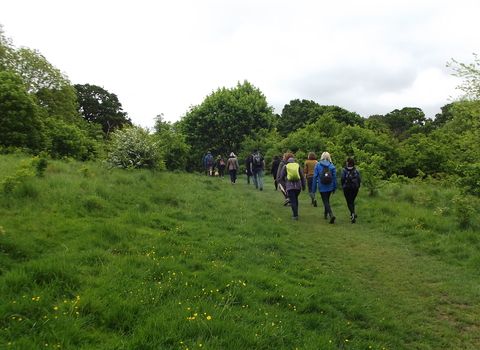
point(326, 204)
point(232, 176)
point(293, 195)
point(312, 194)
point(254, 177)
point(350, 195)
point(260, 178)
point(275, 182)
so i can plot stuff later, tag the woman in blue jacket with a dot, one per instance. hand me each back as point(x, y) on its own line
point(326, 180)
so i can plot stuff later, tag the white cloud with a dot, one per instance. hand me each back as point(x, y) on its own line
point(370, 57)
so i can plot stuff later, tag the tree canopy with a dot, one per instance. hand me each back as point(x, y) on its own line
point(224, 119)
point(97, 105)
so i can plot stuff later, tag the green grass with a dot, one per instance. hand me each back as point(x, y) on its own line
point(97, 259)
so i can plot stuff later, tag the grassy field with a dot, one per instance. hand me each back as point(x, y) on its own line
point(98, 259)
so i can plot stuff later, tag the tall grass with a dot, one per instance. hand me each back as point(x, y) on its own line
point(98, 259)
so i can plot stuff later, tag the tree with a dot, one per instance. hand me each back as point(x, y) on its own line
point(64, 140)
point(172, 144)
point(99, 106)
point(471, 77)
point(400, 121)
point(298, 113)
point(224, 119)
point(20, 124)
point(60, 104)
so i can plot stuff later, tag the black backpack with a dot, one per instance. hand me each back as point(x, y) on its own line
point(351, 179)
point(257, 160)
point(326, 177)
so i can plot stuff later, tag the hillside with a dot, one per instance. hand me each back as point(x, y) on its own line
point(98, 259)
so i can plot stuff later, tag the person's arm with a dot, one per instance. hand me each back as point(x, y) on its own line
point(315, 178)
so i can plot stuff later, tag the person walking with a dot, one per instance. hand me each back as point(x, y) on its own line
point(221, 166)
point(325, 178)
point(280, 181)
point(257, 163)
point(208, 163)
point(350, 180)
point(274, 170)
point(232, 167)
point(309, 169)
point(295, 181)
point(248, 168)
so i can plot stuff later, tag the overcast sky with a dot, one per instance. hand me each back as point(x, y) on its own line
point(157, 56)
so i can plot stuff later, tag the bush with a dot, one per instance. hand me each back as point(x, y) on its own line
point(134, 148)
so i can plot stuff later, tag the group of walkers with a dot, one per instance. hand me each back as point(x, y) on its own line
point(291, 178)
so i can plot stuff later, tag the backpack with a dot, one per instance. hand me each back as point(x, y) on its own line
point(293, 171)
point(210, 160)
point(221, 163)
point(326, 177)
point(351, 179)
point(257, 160)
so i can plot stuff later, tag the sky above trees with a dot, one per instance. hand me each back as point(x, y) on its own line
point(369, 57)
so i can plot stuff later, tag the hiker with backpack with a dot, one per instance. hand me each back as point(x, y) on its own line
point(208, 163)
point(351, 180)
point(280, 181)
point(221, 166)
point(257, 164)
point(294, 178)
point(325, 178)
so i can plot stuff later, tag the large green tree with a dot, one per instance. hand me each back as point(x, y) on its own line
point(97, 105)
point(20, 123)
point(223, 120)
point(401, 120)
point(298, 113)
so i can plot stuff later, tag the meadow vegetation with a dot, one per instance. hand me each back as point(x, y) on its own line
point(92, 258)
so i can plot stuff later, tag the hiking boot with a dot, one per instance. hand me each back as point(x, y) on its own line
point(353, 218)
point(261, 188)
point(325, 216)
point(286, 201)
point(295, 218)
point(332, 218)
point(315, 203)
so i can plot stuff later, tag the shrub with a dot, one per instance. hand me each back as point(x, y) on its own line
point(134, 148)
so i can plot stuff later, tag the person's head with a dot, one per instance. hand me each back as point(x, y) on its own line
point(276, 157)
point(232, 154)
point(208, 152)
point(219, 156)
point(326, 156)
point(350, 162)
point(289, 155)
point(249, 155)
point(255, 150)
point(312, 155)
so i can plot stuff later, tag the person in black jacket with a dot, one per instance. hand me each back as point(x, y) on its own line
point(274, 170)
point(351, 180)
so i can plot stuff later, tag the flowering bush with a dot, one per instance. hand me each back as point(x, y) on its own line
point(134, 148)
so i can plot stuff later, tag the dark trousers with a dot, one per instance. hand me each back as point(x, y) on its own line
point(350, 195)
point(293, 195)
point(233, 175)
point(326, 201)
point(275, 181)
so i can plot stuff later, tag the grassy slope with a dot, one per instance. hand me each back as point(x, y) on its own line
point(175, 261)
